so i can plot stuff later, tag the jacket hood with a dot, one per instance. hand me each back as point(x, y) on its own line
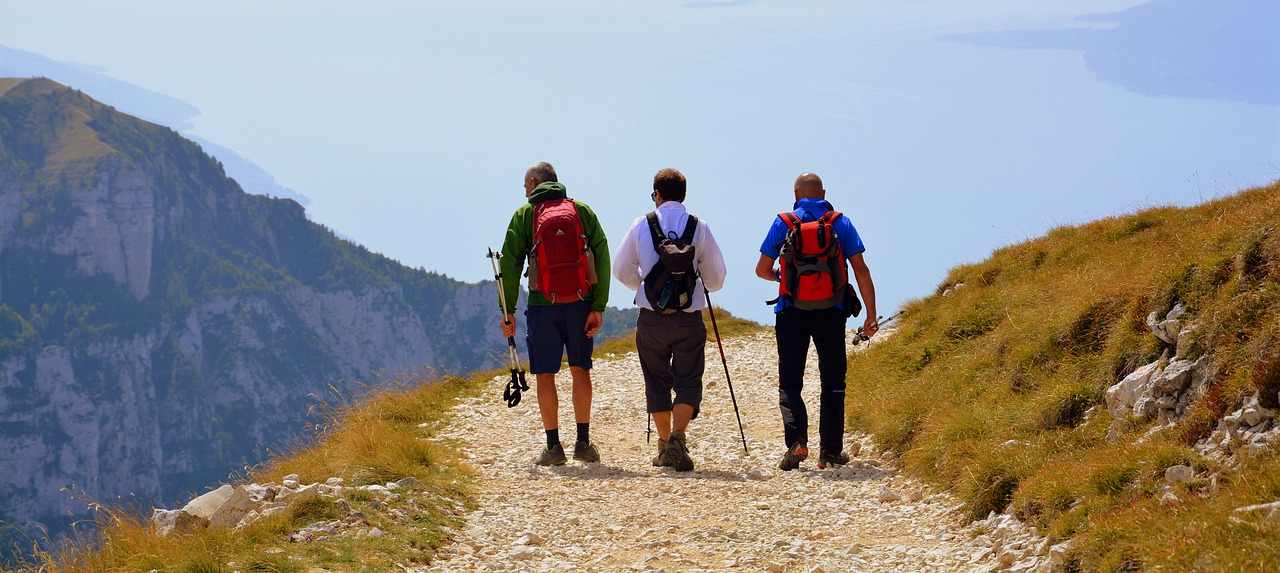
point(547, 191)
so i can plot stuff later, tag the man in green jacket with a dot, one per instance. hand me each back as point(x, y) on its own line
point(555, 326)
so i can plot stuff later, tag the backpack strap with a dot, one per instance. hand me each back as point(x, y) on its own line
point(790, 219)
point(689, 228)
point(828, 219)
point(655, 231)
point(823, 222)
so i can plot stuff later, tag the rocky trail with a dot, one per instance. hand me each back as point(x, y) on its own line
point(734, 512)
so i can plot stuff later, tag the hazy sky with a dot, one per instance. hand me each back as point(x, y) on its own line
point(944, 129)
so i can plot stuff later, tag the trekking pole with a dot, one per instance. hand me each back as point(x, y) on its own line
point(880, 321)
point(517, 383)
point(716, 329)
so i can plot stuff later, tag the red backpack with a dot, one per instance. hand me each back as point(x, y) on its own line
point(812, 264)
point(561, 266)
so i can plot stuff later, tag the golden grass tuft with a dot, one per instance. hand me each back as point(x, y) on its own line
point(994, 387)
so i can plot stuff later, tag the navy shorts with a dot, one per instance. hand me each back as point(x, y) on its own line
point(551, 331)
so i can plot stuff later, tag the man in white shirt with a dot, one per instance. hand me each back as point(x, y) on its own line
point(670, 335)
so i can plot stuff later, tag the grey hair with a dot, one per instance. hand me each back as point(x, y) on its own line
point(542, 172)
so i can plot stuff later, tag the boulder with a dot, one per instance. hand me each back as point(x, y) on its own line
point(1174, 378)
point(1145, 405)
point(1168, 329)
point(238, 505)
point(177, 521)
point(310, 490)
point(262, 492)
point(205, 505)
point(1186, 337)
point(1253, 413)
point(1121, 396)
point(223, 507)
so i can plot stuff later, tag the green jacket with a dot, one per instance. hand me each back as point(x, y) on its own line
point(515, 247)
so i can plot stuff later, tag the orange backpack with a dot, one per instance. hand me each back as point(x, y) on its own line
point(812, 263)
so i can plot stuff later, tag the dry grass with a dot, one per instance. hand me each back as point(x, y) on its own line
point(7, 84)
point(988, 390)
point(383, 436)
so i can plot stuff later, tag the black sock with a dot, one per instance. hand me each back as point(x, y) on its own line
point(584, 433)
point(553, 437)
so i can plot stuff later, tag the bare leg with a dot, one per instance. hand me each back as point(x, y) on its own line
point(683, 413)
point(581, 395)
point(549, 401)
point(663, 422)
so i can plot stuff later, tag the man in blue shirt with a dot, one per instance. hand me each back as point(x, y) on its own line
point(794, 327)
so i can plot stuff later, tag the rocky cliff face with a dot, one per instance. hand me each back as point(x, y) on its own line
point(160, 328)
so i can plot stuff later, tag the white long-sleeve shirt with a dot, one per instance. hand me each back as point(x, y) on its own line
point(635, 256)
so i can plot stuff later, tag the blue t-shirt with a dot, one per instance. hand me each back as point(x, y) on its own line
point(812, 210)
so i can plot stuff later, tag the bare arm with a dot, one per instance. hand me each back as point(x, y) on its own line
point(862, 275)
point(626, 262)
point(764, 269)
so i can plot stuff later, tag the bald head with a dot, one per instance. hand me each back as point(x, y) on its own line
point(809, 186)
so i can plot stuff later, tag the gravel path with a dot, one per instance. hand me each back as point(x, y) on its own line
point(734, 512)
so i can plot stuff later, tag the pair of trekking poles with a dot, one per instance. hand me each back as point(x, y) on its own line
point(517, 383)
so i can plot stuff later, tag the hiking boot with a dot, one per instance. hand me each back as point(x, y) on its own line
point(791, 460)
point(678, 453)
point(662, 459)
point(552, 456)
point(834, 460)
point(586, 452)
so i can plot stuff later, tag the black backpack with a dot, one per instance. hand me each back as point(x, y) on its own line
point(670, 284)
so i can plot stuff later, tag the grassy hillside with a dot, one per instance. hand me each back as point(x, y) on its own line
point(381, 438)
point(995, 385)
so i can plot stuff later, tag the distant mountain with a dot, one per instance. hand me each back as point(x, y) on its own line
point(161, 328)
point(145, 104)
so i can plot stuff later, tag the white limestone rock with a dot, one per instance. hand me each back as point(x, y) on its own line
point(1122, 396)
point(177, 521)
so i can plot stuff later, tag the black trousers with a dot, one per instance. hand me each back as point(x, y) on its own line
point(794, 328)
point(672, 349)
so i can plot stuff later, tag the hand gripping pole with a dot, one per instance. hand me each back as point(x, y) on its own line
point(517, 383)
point(859, 337)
